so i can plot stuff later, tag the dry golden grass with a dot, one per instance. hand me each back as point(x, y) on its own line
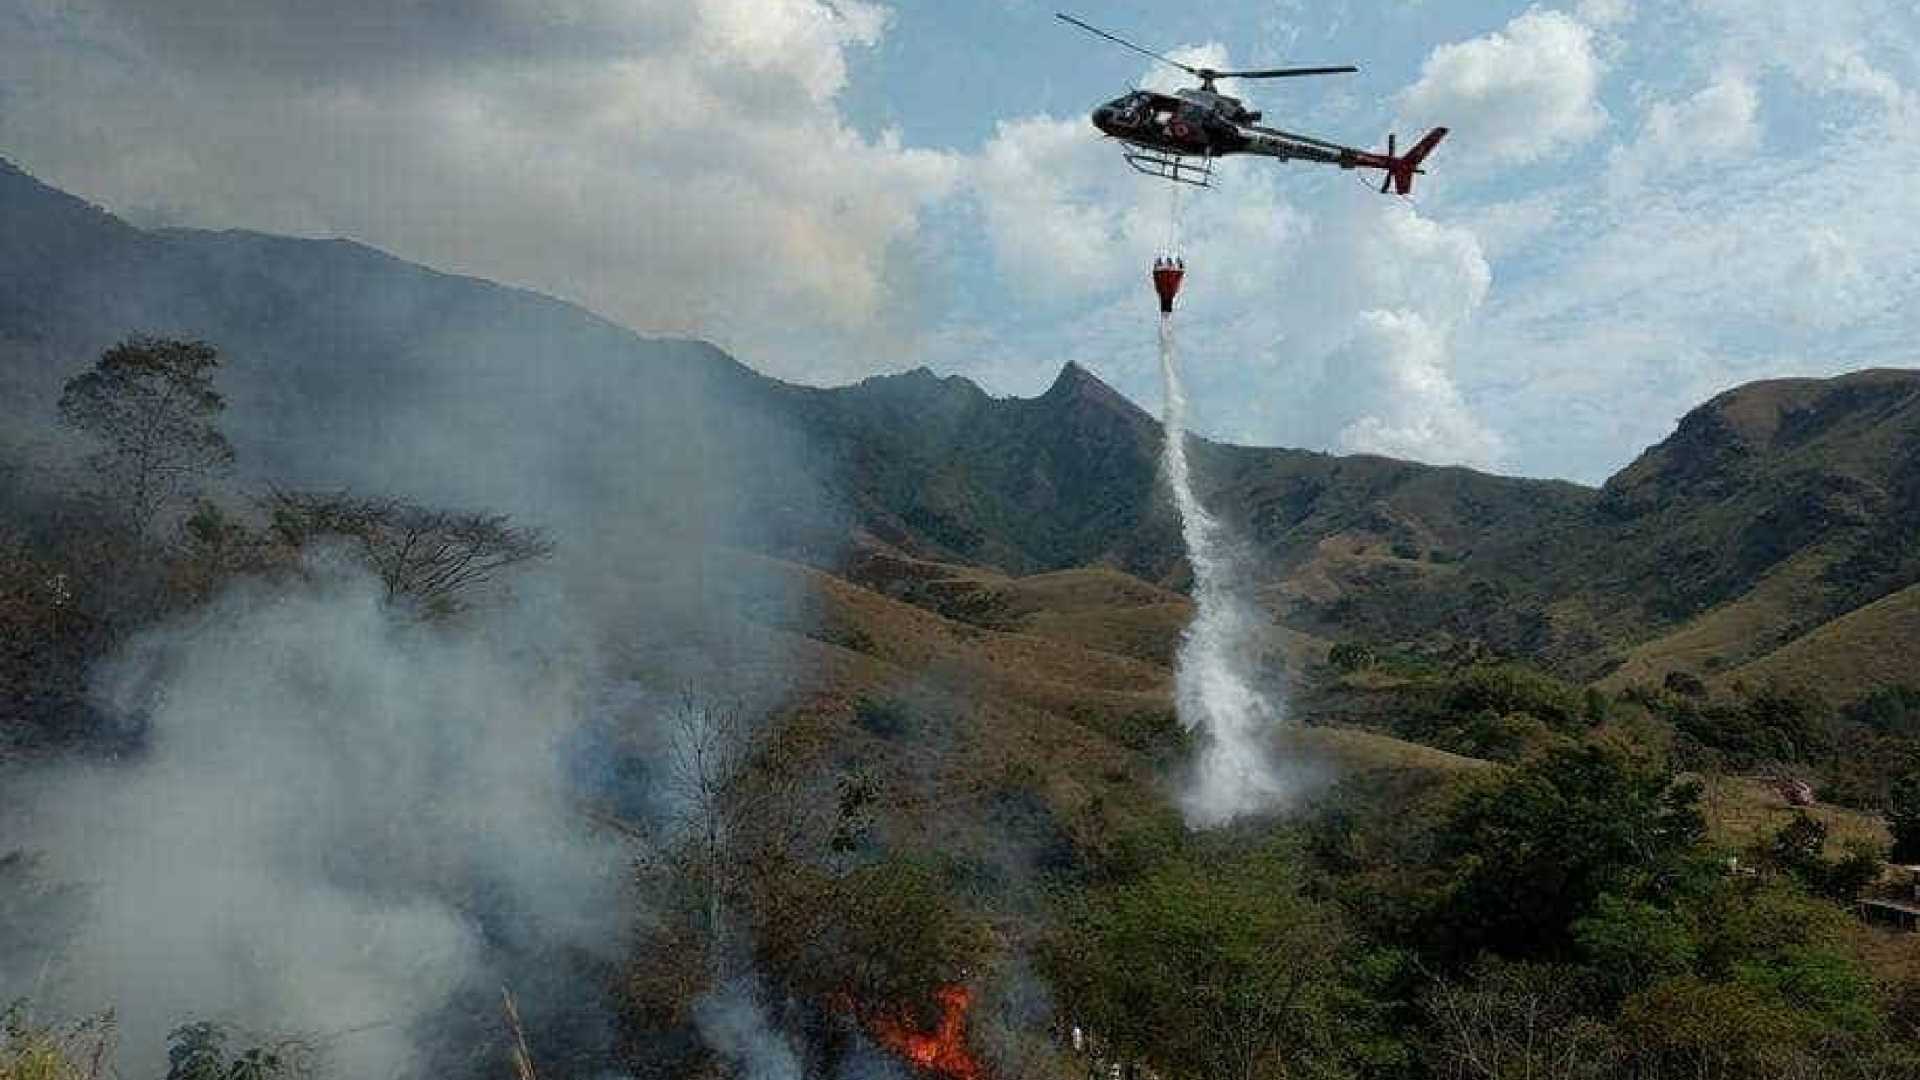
point(1353, 750)
point(1891, 956)
point(1726, 635)
point(1340, 558)
point(1022, 701)
point(1871, 647)
point(30, 1050)
point(1743, 810)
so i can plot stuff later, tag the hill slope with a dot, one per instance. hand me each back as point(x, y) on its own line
point(1772, 511)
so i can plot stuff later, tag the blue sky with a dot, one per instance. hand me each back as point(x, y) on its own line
point(1643, 202)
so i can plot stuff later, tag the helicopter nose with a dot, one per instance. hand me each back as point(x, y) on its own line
point(1103, 117)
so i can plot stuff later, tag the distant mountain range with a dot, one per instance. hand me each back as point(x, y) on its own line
point(1772, 535)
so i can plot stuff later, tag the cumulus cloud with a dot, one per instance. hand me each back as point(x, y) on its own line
point(1281, 320)
point(1716, 124)
point(1168, 79)
point(1785, 265)
point(1522, 93)
point(1043, 191)
point(682, 167)
point(1844, 47)
point(1604, 14)
point(1420, 414)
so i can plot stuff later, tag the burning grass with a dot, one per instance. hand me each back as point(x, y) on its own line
point(941, 1051)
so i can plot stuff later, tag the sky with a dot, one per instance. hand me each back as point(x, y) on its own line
point(1643, 202)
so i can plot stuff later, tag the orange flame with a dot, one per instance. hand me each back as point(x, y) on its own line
point(942, 1051)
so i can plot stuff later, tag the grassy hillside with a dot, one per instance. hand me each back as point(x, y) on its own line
point(1773, 510)
point(1869, 647)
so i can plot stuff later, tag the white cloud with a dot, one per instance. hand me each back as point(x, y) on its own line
point(1642, 308)
point(1328, 330)
point(1420, 415)
point(1718, 123)
point(1047, 191)
point(1504, 228)
point(1522, 93)
point(1604, 14)
point(681, 167)
point(1167, 79)
point(1842, 47)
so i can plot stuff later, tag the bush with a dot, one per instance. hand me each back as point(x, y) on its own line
point(1684, 683)
point(1215, 967)
point(1890, 710)
point(1799, 850)
point(887, 718)
point(1505, 689)
point(34, 1051)
point(1350, 656)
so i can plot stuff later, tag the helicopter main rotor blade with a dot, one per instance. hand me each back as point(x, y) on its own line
point(1063, 16)
point(1286, 73)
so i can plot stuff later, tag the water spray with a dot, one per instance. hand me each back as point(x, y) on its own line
point(1215, 691)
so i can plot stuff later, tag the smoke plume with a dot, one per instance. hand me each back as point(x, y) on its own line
point(337, 821)
point(345, 820)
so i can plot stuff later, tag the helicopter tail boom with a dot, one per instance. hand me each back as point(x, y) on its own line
point(1401, 168)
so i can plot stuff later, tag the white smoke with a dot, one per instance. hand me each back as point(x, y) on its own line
point(733, 1020)
point(346, 824)
point(1215, 686)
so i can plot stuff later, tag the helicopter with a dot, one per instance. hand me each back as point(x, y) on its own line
point(1177, 136)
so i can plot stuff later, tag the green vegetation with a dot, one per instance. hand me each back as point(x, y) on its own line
point(198, 1051)
point(1220, 966)
point(147, 533)
point(31, 1050)
point(1594, 880)
point(151, 405)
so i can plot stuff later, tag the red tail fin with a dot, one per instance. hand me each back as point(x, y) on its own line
point(1403, 167)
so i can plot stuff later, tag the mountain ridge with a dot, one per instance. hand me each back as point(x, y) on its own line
point(1813, 477)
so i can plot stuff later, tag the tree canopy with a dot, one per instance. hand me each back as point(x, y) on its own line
point(152, 404)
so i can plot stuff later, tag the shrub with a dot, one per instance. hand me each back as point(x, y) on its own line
point(887, 718)
point(1350, 656)
point(1506, 689)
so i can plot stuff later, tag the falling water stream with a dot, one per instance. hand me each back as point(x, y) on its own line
point(1216, 683)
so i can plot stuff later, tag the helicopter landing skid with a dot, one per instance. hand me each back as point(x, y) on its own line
point(1179, 168)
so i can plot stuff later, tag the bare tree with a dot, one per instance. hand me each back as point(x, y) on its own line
point(152, 403)
point(432, 556)
point(1514, 1023)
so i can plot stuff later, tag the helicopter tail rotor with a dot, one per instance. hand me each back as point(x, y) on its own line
point(1401, 170)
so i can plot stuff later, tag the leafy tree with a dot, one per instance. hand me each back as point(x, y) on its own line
point(1821, 983)
point(1530, 852)
point(1903, 819)
point(1685, 683)
point(1506, 689)
point(878, 940)
point(1890, 710)
point(1799, 850)
point(152, 403)
point(1691, 1027)
point(886, 717)
point(900, 934)
point(1217, 968)
point(1633, 944)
